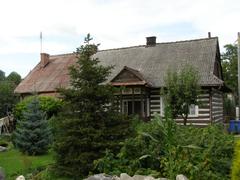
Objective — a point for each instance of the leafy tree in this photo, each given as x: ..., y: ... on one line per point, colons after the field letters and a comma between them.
x: 2, y: 75
x: 7, y: 97
x: 32, y: 135
x: 182, y: 89
x: 229, y: 67
x: 82, y: 130
x: 14, y: 77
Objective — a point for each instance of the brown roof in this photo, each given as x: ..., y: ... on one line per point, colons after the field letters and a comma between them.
x: 138, y: 78
x: 150, y: 63
x: 48, y: 78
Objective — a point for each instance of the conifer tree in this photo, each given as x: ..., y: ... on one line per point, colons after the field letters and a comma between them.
x: 32, y: 135
x: 88, y: 124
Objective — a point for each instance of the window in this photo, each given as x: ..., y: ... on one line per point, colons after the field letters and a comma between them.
x: 127, y: 91
x: 193, y: 110
x: 137, y: 90
x: 132, y: 107
x: 162, y: 106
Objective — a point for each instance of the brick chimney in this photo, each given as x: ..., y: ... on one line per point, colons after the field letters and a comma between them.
x: 209, y: 35
x: 44, y: 59
x: 151, y: 41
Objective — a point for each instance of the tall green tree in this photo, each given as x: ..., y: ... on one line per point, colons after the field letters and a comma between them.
x: 7, y: 97
x: 182, y: 90
x: 2, y: 75
x: 229, y: 67
x: 32, y: 135
x: 82, y: 131
x: 14, y: 77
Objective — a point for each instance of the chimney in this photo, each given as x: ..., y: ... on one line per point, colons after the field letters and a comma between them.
x: 151, y: 41
x: 209, y: 34
x: 44, y: 59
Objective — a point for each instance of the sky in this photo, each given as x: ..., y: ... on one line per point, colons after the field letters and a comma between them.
x: 112, y: 23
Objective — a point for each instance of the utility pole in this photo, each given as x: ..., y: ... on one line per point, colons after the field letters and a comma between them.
x: 238, y: 39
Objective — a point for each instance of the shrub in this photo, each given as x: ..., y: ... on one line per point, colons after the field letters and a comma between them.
x: 4, y: 143
x: 48, y: 105
x: 235, y: 173
x: 161, y: 148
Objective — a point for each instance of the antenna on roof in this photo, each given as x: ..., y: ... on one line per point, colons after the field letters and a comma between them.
x: 41, y: 42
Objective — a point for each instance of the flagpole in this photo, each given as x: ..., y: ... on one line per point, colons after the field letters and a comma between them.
x: 40, y: 42
x: 238, y: 39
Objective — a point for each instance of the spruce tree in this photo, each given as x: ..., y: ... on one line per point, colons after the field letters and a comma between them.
x: 32, y: 135
x: 88, y: 124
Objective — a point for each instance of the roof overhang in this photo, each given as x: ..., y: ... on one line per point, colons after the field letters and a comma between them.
x: 129, y: 77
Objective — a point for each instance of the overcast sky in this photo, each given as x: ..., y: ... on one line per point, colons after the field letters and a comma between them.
x: 112, y: 23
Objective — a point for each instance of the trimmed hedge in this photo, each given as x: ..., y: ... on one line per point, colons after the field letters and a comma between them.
x: 235, y: 174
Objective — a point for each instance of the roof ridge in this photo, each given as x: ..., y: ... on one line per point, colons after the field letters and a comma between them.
x: 64, y: 54
x: 171, y: 42
x: 129, y: 47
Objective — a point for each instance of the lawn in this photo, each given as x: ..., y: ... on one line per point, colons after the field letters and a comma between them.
x: 15, y: 163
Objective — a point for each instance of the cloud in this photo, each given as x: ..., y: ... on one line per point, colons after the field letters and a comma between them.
x: 113, y: 23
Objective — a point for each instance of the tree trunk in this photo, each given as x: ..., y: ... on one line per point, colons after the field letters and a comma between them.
x: 185, y: 119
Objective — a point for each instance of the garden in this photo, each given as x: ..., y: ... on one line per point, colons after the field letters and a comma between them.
x: 81, y: 135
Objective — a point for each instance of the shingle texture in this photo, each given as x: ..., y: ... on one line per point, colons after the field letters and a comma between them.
x: 47, y: 79
x: 152, y: 62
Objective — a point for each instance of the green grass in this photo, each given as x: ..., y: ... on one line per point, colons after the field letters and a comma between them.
x: 15, y: 163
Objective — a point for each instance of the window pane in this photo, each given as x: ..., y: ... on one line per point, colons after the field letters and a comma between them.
x: 192, y: 110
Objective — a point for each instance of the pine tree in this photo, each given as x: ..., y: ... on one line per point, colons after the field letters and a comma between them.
x: 86, y: 127
x: 32, y: 135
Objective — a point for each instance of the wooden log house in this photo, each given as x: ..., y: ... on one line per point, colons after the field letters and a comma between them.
x: 139, y: 73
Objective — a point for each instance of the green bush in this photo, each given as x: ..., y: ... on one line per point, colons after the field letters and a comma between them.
x: 235, y: 174
x: 5, y: 140
x: 48, y: 105
x: 163, y: 149
x: 4, y: 143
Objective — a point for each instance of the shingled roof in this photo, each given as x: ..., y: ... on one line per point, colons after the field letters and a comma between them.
x: 46, y: 79
x: 152, y: 62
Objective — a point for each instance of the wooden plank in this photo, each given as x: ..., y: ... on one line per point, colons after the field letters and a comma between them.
x: 155, y: 106
x: 196, y: 118
x: 154, y: 95
x: 195, y: 121
x: 152, y: 100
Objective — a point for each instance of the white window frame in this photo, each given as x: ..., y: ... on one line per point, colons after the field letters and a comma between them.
x: 161, y: 106
x: 195, y: 109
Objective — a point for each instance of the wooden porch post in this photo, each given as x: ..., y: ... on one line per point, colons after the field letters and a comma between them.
x: 121, y: 101
x: 142, y: 103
